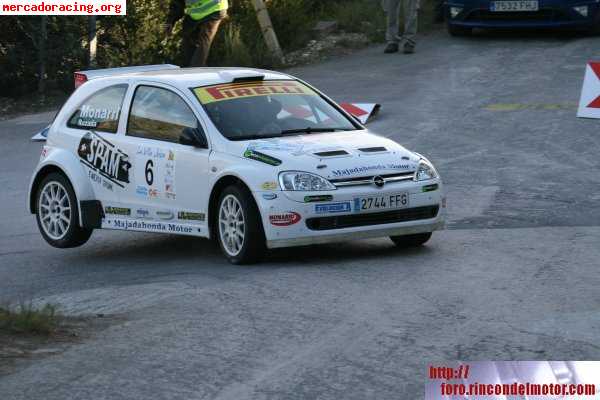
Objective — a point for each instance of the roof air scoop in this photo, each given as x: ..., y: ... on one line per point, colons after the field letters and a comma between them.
x: 331, y: 153
x: 372, y: 149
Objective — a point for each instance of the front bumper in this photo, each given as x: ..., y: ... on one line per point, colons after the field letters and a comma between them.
x: 371, y: 225
x: 551, y: 14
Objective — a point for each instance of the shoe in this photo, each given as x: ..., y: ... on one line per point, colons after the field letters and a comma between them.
x: 391, y: 48
x: 409, y: 48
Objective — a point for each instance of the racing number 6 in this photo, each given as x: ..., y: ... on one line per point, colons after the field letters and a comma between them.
x: 149, y: 173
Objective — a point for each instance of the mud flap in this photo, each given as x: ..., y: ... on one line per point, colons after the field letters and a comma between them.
x: 91, y: 214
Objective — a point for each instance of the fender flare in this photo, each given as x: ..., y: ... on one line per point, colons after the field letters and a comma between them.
x: 218, y: 183
x: 69, y: 165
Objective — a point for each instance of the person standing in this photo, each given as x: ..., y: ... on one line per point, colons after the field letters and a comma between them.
x: 200, y: 25
x: 392, y: 9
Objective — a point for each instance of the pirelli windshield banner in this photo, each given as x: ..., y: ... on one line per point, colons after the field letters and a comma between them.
x: 231, y: 91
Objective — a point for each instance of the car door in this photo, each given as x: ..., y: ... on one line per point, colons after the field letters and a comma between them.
x: 93, y: 129
x: 170, y: 191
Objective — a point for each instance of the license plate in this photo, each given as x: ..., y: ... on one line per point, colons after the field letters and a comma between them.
x: 508, y: 6
x: 381, y: 202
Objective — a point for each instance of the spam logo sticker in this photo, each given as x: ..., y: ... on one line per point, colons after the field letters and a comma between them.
x: 228, y: 91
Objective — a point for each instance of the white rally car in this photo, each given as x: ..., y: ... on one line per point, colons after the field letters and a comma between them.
x: 256, y: 159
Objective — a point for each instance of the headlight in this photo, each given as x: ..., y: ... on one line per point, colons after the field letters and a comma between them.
x: 303, y: 181
x: 583, y: 10
x: 454, y: 11
x: 425, y: 171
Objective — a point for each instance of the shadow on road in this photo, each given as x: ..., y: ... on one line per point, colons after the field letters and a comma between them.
x: 162, y: 250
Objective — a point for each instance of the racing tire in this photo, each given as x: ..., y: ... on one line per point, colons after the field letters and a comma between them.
x: 455, y: 30
x: 416, y: 240
x: 238, y: 226
x: 57, y: 213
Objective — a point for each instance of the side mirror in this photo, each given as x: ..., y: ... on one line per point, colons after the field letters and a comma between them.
x: 193, y: 137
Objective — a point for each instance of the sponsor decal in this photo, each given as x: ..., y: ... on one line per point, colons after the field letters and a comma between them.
x: 44, y: 153
x: 155, y: 167
x: 165, y: 214
x: 104, y: 158
x: 141, y: 191
x: 333, y: 207
x: 269, y: 196
x: 90, y: 116
x: 269, y: 186
x: 322, y: 197
x: 142, y: 213
x: 274, y: 145
x: 231, y: 91
x: 134, y: 225
x: 369, y: 168
x: 118, y: 210
x: 258, y: 156
x: 285, y: 219
x: 190, y: 216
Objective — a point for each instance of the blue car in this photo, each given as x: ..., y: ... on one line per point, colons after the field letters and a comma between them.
x: 464, y: 15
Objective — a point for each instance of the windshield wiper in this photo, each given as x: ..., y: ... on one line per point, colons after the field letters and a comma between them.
x: 253, y: 137
x: 310, y: 130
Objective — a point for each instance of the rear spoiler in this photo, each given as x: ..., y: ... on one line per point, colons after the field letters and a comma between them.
x: 83, y: 76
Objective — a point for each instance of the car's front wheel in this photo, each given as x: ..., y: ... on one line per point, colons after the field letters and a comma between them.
x: 411, y: 240
x: 57, y: 213
x: 239, y: 228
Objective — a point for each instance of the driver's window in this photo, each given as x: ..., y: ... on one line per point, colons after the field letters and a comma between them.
x: 159, y: 114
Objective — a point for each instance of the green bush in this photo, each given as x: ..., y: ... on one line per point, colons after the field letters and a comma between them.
x: 139, y: 38
x: 26, y: 319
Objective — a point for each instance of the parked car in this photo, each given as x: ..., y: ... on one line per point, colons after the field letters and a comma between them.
x: 464, y: 15
x: 255, y: 159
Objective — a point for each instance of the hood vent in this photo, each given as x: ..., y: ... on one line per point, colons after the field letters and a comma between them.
x: 333, y: 153
x: 372, y: 149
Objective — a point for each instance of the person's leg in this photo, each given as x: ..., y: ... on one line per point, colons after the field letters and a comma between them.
x: 411, y: 8
x: 392, y: 9
x: 188, y: 42
x: 206, y: 33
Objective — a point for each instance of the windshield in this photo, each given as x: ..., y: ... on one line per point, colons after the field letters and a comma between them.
x: 262, y: 109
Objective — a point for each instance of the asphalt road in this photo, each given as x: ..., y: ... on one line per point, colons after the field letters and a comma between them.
x: 515, y: 276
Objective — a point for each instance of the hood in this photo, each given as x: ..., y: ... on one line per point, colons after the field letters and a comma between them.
x: 335, y: 155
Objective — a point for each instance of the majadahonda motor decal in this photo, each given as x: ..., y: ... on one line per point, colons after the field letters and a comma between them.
x: 370, y: 168
x: 103, y: 157
x: 231, y: 91
x: 136, y: 225
x: 117, y: 210
x: 285, y: 219
x: 190, y: 216
x: 262, y: 157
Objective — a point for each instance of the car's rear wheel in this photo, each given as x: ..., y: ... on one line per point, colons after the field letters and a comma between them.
x: 57, y: 213
x: 416, y: 240
x: 456, y: 30
x: 239, y: 228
